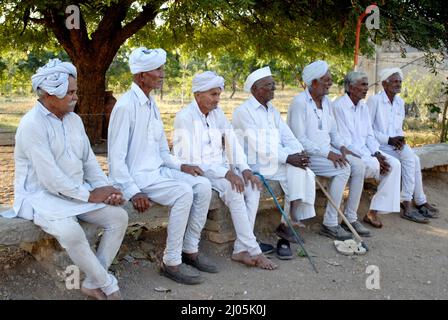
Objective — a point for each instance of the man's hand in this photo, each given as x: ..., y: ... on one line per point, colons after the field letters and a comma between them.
x: 141, y: 202
x: 254, y: 181
x: 337, y: 159
x: 346, y: 152
x: 102, y: 194
x: 193, y: 170
x: 384, y: 166
x: 236, y: 182
x: 115, y: 199
x: 397, y: 142
x: 301, y: 160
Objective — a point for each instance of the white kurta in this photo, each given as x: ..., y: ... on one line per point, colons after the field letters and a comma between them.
x: 387, y: 121
x: 267, y: 142
x: 316, y: 130
x: 200, y: 140
x: 55, y: 168
x: 140, y: 161
x: 355, y: 129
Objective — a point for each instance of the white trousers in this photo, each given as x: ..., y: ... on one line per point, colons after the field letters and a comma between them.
x: 297, y: 184
x: 411, y: 174
x: 339, y: 177
x: 243, y: 209
x: 189, y: 198
x: 387, y: 197
x: 71, y: 236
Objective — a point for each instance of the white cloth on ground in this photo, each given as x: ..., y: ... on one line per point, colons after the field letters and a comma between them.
x: 53, y: 77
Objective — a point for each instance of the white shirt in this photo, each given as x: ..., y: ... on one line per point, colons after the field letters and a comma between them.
x: 137, y: 143
x: 199, y: 140
x: 387, y: 118
x: 315, y: 128
x: 55, y: 168
x: 354, y: 126
x: 263, y: 133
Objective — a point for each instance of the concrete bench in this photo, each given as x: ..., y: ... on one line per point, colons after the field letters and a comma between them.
x: 219, y: 227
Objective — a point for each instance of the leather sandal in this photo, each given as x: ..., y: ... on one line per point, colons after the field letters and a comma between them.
x: 373, y: 222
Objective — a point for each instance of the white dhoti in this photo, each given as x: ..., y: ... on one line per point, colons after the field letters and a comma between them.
x: 298, y: 184
x: 243, y: 209
x: 189, y: 199
x: 71, y: 236
x: 411, y: 174
x: 339, y: 176
x: 387, y: 197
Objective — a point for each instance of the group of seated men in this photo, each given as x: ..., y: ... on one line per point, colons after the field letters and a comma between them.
x: 59, y: 182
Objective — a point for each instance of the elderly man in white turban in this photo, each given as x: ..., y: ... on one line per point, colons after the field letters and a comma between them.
x: 387, y: 114
x: 58, y: 181
x: 273, y: 151
x: 141, y: 165
x: 354, y: 126
x: 199, y: 131
x: 311, y: 120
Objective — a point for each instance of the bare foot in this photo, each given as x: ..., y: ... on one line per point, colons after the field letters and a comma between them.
x: 115, y: 296
x: 244, y: 258
x: 96, y: 294
x: 261, y: 261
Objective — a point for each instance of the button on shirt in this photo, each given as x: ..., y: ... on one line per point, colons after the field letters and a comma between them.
x: 315, y: 128
x: 354, y: 126
x: 263, y: 133
x: 137, y: 143
x: 387, y: 118
x: 55, y: 168
x: 198, y: 140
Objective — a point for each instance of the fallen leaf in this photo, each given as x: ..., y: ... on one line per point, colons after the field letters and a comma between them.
x: 162, y: 289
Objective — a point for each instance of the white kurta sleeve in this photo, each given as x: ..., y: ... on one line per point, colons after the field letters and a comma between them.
x: 371, y: 141
x: 288, y: 142
x: 118, y: 141
x: 234, y: 151
x: 336, y: 139
x: 373, y: 104
x: 37, y: 147
x: 297, y: 121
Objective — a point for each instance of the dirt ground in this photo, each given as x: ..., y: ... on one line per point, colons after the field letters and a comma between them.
x: 412, y: 261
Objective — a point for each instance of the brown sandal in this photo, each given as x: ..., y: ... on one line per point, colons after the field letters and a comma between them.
x: 373, y: 222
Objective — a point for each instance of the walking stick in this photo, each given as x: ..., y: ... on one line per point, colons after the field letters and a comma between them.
x: 296, y: 236
x: 349, y: 225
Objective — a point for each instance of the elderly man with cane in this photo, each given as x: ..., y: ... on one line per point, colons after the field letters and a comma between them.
x: 311, y: 120
x: 274, y: 152
x: 387, y: 114
x: 59, y: 182
x: 199, y: 130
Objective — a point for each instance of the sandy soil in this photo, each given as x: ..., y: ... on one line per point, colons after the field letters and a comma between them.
x: 412, y: 260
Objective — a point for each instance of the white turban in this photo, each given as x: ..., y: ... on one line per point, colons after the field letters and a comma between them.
x: 315, y: 70
x: 206, y: 81
x: 256, y: 75
x: 143, y: 59
x: 53, y: 77
x: 386, y: 73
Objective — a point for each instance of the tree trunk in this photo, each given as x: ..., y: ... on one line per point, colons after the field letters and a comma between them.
x: 233, y: 88
x: 91, y: 93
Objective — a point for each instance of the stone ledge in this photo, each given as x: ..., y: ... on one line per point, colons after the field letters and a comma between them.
x: 432, y: 155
